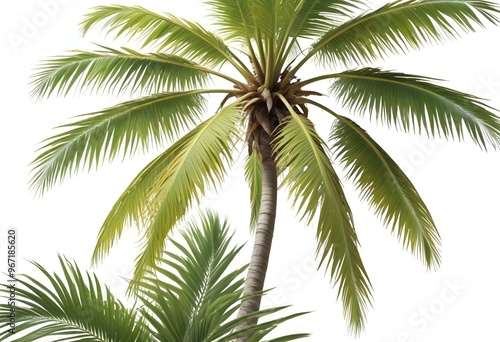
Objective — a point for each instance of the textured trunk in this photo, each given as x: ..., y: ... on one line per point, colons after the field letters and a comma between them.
x: 263, y: 235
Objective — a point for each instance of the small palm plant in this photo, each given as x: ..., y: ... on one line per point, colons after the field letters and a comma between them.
x: 191, y: 295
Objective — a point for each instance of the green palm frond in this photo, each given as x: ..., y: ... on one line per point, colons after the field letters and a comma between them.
x: 163, y: 32
x: 233, y: 19
x: 116, y: 71
x: 199, y: 295
x: 235, y: 22
x: 269, y: 24
x: 73, y: 307
x: 307, y: 19
x: 163, y: 191
x: 190, y: 295
x: 253, y: 176
x: 270, y: 16
x: 260, y: 330
x: 411, y: 102
x: 117, y: 130
x: 387, y: 189
x: 263, y: 22
x: 246, y: 20
x: 316, y: 17
x: 313, y: 185
x: 399, y: 26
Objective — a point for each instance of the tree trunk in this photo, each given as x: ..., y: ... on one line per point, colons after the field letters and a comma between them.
x: 256, y: 275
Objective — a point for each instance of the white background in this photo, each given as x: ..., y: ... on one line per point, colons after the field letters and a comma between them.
x: 458, y: 181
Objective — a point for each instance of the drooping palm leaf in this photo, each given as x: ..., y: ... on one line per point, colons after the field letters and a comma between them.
x: 386, y: 188
x: 313, y: 186
x: 121, y: 129
x: 411, y: 102
x: 73, y: 307
x: 162, y: 193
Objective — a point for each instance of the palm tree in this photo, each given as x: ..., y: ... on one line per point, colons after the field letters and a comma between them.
x: 259, y: 49
x: 190, y: 295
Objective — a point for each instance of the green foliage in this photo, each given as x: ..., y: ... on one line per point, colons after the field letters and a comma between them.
x: 121, y: 129
x: 316, y: 17
x: 74, y: 307
x: 409, y: 101
x: 385, y: 186
x: 117, y: 71
x: 265, y: 44
x: 190, y: 295
x: 314, y: 185
x: 400, y: 26
x: 163, y: 191
x: 159, y: 31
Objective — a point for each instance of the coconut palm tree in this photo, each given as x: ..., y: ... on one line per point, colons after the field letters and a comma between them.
x: 192, y: 294
x: 254, y: 57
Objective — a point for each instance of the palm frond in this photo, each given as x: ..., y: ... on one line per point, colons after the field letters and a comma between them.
x: 270, y: 16
x: 399, y: 26
x: 164, y: 32
x: 191, y: 296
x: 72, y: 307
x: 253, y: 176
x: 117, y: 72
x: 387, y: 189
x: 313, y: 185
x: 300, y: 18
x: 263, y: 22
x: 266, y: 17
x: 260, y: 330
x: 233, y: 19
x: 316, y: 17
x: 117, y: 130
x: 241, y: 19
x: 308, y: 19
x: 412, y: 102
x: 235, y: 22
x: 164, y: 190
